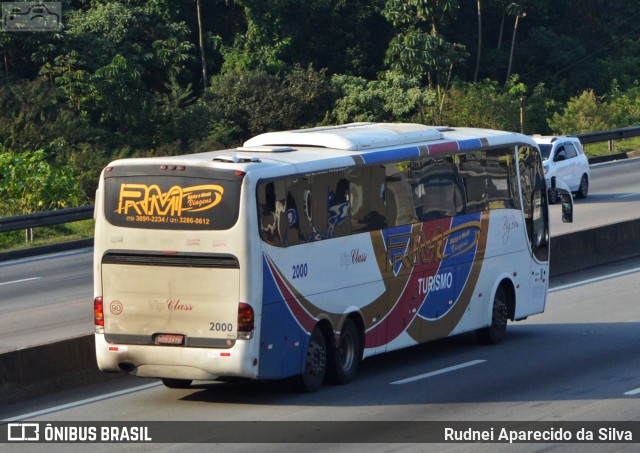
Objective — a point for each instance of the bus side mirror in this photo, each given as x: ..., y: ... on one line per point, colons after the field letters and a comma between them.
x: 566, y: 199
x: 567, y: 207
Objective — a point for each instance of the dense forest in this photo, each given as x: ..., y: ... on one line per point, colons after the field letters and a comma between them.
x: 131, y: 77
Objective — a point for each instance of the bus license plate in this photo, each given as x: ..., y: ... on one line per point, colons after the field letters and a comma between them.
x: 170, y: 339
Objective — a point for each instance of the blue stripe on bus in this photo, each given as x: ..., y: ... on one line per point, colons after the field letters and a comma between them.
x: 375, y: 157
x: 470, y: 144
x: 282, y: 339
x: 459, y: 252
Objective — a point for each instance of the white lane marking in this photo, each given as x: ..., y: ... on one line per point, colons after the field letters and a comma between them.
x: 437, y: 372
x: 20, y: 281
x: 632, y: 392
x: 632, y: 194
x: 47, y: 257
x: 81, y: 402
x: 594, y: 280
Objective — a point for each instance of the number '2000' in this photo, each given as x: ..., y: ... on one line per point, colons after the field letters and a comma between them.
x: 299, y: 270
x: 221, y: 326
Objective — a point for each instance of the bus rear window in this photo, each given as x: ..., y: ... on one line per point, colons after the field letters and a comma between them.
x: 171, y: 201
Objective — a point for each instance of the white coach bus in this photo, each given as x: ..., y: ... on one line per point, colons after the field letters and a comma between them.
x: 303, y: 252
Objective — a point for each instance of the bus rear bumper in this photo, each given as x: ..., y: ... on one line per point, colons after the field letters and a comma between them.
x: 177, y: 362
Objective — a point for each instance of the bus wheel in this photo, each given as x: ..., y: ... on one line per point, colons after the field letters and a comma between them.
x: 494, y: 333
x: 315, y: 365
x: 344, y: 360
x: 176, y: 383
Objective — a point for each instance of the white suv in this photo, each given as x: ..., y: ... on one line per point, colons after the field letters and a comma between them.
x: 564, y: 158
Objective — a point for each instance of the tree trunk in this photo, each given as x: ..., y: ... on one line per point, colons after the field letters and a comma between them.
x: 6, y: 64
x: 522, y: 114
x: 501, y: 29
x: 475, y: 74
x: 201, y: 42
x: 513, y: 44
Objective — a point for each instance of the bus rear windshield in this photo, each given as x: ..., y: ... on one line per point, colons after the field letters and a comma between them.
x: 186, y: 200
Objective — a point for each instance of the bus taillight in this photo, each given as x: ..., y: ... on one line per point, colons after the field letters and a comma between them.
x: 98, y: 314
x: 245, y: 321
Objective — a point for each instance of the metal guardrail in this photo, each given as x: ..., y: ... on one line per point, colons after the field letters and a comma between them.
x: 609, y: 136
x: 40, y: 219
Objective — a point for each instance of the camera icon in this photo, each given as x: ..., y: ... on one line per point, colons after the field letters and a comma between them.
x: 23, y: 432
x: 31, y: 16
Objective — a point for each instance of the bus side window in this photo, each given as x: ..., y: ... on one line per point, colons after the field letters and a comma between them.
x: 473, y: 170
x: 500, y: 183
x: 401, y: 209
x: 330, y: 207
x: 512, y: 170
x: 439, y: 192
x: 367, y: 197
x: 292, y: 235
x: 339, y: 209
x: 299, y: 215
x: 271, y: 212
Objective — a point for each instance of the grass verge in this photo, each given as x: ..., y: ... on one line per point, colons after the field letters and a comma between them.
x: 17, y: 240
x: 628, y: 145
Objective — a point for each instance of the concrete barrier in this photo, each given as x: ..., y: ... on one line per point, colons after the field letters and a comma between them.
x: 31, y: 372
x: 40, y: 370
x: 580, y: 250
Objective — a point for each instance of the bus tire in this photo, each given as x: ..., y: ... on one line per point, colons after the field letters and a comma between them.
x: 495, y: 332
x: 345, y: 358
x: 176, y: 383
x: 315, y: 365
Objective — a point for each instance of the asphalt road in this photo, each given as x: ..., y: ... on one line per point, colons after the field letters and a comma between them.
x: 614, y: 196
x: 46, y: 298
x: 576, y: 362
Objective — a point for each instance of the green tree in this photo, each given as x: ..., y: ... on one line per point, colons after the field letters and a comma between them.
x: 343, y: 36
x: 518, y: 90
x: 33, y: 115
x: 244, y: 103
x: 116, y: 56
x: 30, y: 183
x: 418, y: 49
x: 538, y: 107
x: 268, y: 36
x: 184, y: 117
x: 584, y: 113
x: 515, y: 9
x: 625, y: 105
x: 483, y: 104
x: 393, y: 98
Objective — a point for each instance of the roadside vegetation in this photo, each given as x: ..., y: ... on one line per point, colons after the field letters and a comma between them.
x: 164, y: 77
